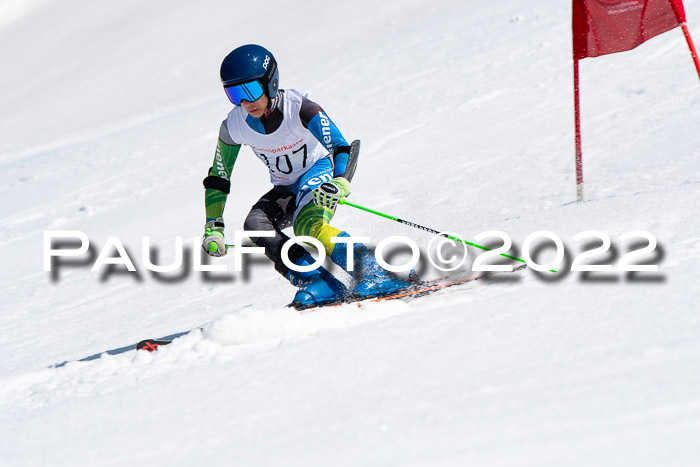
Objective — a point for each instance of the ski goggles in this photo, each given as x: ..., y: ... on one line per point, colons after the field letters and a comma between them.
x: 250, y: 91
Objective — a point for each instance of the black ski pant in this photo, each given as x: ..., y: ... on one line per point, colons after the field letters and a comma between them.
x: 275, y: 211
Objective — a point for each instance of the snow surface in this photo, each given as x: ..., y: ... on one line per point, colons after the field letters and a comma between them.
x: 110, y: 112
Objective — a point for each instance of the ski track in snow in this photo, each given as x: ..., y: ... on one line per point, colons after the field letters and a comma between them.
x: 227, y: 337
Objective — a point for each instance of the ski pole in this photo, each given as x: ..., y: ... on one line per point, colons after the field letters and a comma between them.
x: 213, y: 247
x: 426, y: 229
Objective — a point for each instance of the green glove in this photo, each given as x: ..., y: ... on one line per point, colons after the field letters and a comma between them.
x: 329, y: 193
x: 213, y: 242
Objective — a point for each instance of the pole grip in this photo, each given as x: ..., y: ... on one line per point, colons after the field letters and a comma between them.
x: 353, y: 155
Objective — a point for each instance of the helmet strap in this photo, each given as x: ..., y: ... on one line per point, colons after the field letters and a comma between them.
x: 272, y: 105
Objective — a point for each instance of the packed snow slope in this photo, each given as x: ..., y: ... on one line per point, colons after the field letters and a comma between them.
x: 109, y: 117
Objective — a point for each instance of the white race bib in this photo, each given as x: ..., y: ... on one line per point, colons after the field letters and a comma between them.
x: 289, y: 151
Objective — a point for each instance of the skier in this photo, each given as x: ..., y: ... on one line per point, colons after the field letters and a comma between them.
x: 307, y: 157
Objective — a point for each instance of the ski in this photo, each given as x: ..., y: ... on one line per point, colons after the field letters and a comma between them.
x: 420, y: 289
x: 439, y: 284
x: 151, y: 345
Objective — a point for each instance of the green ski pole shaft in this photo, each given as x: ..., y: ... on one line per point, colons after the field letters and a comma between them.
x: 426, y: 229
x: 213, y: 247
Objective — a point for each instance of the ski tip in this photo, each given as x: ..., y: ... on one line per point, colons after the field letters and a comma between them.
x: 151, y: 345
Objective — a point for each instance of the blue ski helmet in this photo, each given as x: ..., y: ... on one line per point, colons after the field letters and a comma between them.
x: 251, y: 62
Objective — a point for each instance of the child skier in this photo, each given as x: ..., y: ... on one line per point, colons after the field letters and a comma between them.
x: 307, y: 157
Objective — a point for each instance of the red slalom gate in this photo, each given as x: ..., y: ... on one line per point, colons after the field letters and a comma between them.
x: 601, y: 27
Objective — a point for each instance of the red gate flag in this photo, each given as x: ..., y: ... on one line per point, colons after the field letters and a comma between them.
x: 607, y: 26
x: 603, y: 27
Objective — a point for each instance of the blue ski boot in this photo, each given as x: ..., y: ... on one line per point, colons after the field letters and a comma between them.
x: 371, y: 279
x: 316, y: 287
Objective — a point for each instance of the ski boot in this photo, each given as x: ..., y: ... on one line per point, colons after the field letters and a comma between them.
x: 371, y: 279
x: 317, y: 287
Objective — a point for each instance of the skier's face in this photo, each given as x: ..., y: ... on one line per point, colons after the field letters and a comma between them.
x: 256, y: 109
